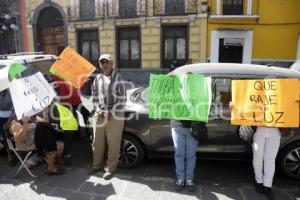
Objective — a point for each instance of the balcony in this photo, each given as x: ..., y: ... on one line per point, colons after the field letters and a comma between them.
x: 175, y: 7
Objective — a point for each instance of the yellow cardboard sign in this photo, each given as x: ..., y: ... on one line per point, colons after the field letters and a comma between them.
x: 72, y: 67
x: 269, y: 102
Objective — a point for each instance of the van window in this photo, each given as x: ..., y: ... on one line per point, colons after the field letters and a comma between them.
x: 221, y: 97
x: 221, y: 91
x: 42, y: 66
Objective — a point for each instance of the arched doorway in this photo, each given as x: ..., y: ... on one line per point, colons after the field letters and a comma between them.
x: 49, y: 30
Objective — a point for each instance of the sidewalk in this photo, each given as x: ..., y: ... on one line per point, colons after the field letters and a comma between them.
x: 148, y: 182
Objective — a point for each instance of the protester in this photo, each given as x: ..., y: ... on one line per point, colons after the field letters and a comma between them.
x: 185, y: 145
x: 6, y: 111
x: 69, y: 95
x: 185, y: 154
x: 266, y: 142
x: 109, y: 98
x: 265, y: 146
x: 37, y: 134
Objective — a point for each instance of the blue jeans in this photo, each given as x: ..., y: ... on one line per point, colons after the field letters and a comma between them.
x: 185, y: 153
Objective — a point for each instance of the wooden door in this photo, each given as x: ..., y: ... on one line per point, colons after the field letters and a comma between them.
x: 52, y: 39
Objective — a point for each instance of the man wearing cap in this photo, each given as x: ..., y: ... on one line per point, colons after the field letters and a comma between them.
x: 109, y: 98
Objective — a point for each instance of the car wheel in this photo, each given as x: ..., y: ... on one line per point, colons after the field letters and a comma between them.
x: 289, y: 161
x: 132, y: 152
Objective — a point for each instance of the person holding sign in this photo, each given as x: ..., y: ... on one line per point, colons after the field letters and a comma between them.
x: 185, y: 145
x: 6, y: 111
x: 69, y: 96
x: 109, y: 98
x: 266, y: 142
x: 266, y: 104
x: 265, y: 146
x: 31, y: 134
x: 185, y: 154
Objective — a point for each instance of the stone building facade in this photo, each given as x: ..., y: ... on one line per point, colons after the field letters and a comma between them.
x: 140, y: 31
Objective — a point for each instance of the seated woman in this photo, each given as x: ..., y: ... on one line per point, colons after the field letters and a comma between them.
x: 30, y: 133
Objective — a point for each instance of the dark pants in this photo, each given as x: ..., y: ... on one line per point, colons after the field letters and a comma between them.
x: 82, y: 110
x: 10, y: 157
x: 85, y: 114
x: 45, y: 138
x: 2, y: 123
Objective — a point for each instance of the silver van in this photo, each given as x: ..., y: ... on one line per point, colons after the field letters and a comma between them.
x: 145, y: 137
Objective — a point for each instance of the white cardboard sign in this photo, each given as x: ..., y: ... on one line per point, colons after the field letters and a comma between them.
x: 30, y: 95
x: 4, y: 82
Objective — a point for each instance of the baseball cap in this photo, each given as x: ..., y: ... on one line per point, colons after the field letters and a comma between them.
x: 105, y: 56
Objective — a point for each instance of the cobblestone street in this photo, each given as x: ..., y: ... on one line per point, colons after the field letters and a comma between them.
x: 153, y: 180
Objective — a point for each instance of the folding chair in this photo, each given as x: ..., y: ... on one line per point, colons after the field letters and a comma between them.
x: 12, y: 147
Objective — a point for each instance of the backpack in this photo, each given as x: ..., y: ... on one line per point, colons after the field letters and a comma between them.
x: 247, y: 132
x: 198, y: 130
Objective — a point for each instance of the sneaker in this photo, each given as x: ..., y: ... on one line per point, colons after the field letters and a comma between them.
x: 179, y: 185
x: 108, y: 175
x: 190, y: 186
x: 268, y: 193
x: 259, y: 188
x: 92, y: 171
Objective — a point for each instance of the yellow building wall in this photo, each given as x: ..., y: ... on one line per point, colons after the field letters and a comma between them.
x: 275, y: 31
x: 107, y: 40
x: 269, y: 42
x: 150, y: 44
x: 279, y: 11
x: 197, y: 42
x: 275, y: 42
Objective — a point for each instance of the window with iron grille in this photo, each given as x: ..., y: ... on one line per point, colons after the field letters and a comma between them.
x: 174, y: 45
x: 127, y: 8
x: 232, y: 7
x: 174, y: 7
x: 87, y: 9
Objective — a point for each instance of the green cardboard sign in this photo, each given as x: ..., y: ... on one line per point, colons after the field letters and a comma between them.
x: 15, y: 70
x: 184, y: 97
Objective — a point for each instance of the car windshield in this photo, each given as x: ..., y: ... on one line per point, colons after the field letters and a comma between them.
x: 42, y: 66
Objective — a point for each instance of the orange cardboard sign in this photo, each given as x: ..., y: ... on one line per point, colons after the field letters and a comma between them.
x: 269, y: 102
x: 72, y: 67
